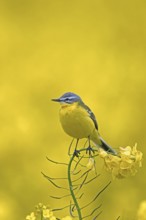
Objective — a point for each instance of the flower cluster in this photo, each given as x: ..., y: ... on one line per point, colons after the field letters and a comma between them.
x: 43, y: 212
x: 141, y: 214
x: 125, y: 164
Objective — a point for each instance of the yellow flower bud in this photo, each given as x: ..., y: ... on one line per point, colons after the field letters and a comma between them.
x: 31, y: 216
x: 91, y: 163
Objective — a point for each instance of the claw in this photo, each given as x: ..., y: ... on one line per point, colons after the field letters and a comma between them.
x: 76, y: 153
x: 90, y: 150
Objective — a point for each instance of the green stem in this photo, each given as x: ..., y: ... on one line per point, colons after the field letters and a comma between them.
x: 71, y: 188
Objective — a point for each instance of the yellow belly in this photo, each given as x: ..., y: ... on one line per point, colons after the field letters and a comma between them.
x: 76, y: 121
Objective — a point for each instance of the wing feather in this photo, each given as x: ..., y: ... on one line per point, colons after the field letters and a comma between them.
x: 91, y: 115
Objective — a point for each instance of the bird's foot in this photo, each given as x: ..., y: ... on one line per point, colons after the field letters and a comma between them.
x: 90, y: 151
x: 76, y: 153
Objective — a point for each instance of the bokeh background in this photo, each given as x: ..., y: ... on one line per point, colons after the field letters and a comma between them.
x: 96, y: 49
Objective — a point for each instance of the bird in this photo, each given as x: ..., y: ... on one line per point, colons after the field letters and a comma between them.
x: 78, y: 121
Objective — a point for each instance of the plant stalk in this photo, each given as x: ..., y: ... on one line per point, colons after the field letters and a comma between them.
x: 71, y: 188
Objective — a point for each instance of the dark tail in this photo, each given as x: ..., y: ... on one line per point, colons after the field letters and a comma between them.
x: 107, y: 148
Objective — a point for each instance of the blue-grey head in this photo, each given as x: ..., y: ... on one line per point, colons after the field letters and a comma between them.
x: 68, y: 98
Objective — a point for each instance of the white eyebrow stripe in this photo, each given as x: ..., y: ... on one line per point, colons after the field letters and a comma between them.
x: 71, y: 97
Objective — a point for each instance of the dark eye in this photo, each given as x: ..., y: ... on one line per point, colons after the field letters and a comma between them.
x: 67, y: 100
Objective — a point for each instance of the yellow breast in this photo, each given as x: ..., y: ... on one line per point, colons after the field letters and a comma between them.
x: 76, y: 121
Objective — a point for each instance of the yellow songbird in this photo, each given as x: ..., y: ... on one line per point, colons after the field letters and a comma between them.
x: 78, y: 120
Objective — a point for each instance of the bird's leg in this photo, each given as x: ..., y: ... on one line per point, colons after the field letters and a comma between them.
x: 89, y: 148
x: 76, y: 152
x: 69, y: 150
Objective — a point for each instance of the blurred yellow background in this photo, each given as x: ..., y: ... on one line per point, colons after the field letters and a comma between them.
x: 96, y: 49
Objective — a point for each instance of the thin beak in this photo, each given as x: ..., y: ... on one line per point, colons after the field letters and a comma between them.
x: 55, y: 100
